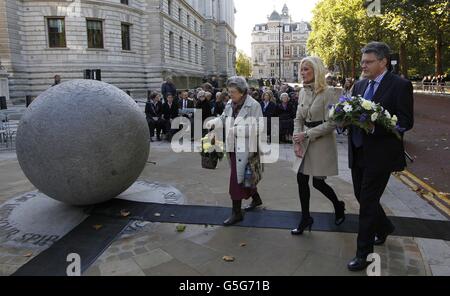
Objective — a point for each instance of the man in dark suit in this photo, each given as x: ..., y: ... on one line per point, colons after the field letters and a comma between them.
x: 185, y: 102
x: 168, y: 87
x: 170, y: 112
x: 154, y: 112
x: 375, y: 155
x: 186, y: 108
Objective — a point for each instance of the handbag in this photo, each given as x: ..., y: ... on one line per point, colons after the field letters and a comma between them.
x: 254, y: 162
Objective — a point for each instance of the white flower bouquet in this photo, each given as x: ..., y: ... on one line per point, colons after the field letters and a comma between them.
x: 364, y: 114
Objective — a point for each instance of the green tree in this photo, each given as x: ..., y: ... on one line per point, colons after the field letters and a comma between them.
x: 419, y: 30
x: 243, y: 64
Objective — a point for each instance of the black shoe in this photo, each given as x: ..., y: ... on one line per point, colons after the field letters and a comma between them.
x: 234, y: 218
x: 236, y: 214
x: 340, y: 213
x: 381, y: 238
x: 304, y: 224
x: 158, y: 138
x: 357, y: 264
x: 256, y: 201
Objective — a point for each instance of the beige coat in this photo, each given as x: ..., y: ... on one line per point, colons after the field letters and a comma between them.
x: 240, y: 131
x: 320, y: 151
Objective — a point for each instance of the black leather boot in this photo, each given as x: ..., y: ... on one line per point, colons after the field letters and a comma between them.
x: 256, y: 201
x: 236, y: 214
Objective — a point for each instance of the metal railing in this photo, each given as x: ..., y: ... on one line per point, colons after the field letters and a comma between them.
x: 432, y: 87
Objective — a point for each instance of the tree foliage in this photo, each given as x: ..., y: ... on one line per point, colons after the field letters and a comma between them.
x: 418, y: 30
x: 243, y: 64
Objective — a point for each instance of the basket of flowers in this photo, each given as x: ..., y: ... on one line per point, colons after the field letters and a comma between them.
x: 211, y: 153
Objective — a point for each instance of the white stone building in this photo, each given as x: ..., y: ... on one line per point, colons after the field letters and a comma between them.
x: 280, y: 32
x: 133, y: 44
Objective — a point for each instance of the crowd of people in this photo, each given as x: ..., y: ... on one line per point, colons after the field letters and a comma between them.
x: 161, y: 108
x: 435, y: 83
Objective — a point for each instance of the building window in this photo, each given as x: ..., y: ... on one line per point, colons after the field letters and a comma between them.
x: 169, y: 7
x: 93, y: 74
x: 124, y: 2
x: 195, y: 25
x: 287, y: 51
x: 95, y: 33
x: 272, y: 51
x: 171, y: 45
x: 196, y: 54
x: 201, y: 29
x: 180, y: 11
x: 56, y: 32
x: 126, y: 44
x: 272, y: 73
x: 188, y: 21
x: 181, y: 48
x: 189, y: 51
x: 261, y: 72
x: 202, y: 55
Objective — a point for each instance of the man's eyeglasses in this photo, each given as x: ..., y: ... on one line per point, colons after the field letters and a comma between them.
x: 362, y: 63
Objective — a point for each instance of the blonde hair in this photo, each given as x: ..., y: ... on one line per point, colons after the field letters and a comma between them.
x: 316, y: 63
x: 270, y: 94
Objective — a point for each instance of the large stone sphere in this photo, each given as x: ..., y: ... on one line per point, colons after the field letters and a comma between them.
x: 83, y: 142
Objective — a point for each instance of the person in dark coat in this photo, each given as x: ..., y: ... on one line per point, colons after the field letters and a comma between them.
x: 154, y: 113
x: 374, y: 155
x: 220, y: 105
x: 170, y: 112
x: 168, y: 87
x: 286, y: 114
x: 268, y: 107
x: 203, y: 103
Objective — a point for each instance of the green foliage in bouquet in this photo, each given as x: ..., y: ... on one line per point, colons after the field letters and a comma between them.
x: 364, y: 114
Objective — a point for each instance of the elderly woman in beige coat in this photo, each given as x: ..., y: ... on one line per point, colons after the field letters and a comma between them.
x: 240, y: 118
x: 315, y: 141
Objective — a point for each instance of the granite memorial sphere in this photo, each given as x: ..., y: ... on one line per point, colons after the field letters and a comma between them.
x: 83, y: 142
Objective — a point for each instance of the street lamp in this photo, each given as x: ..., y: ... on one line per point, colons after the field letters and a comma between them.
x: 279, y: 50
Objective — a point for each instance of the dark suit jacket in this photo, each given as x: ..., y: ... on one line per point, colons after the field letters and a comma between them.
x: 190, y: 104
x: 170, y: 112
x: 270, y: 110
x: 152, y: 110
x: 382, y: 150
x: 167, y: 88
x: 205, y: 105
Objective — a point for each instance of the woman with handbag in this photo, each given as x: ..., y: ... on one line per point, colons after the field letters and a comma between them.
x: 244, y: 113
x: 315, y: 141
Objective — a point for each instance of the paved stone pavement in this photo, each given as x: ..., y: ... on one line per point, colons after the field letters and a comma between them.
x: 158, y: 249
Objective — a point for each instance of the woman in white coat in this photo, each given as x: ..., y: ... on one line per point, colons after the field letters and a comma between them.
x: 244, y: 113
x: 315, y: 141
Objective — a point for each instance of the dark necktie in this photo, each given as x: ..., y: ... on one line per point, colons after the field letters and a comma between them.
x: 357, y: 133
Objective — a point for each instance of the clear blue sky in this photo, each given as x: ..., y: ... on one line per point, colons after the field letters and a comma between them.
x: 251, y: 12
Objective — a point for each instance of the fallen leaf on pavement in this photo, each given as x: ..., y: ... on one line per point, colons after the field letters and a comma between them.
x: 124, y: 213
x: 428, y: 195
x: 157, y: 215
x: 446, y: 148
x: 172, y: 215
x: 29, y: 254
x: 242, y: 244
x: 181, y: 228
x: 228, y: 258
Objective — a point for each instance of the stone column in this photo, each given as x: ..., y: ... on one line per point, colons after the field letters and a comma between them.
x: 4, y: 87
